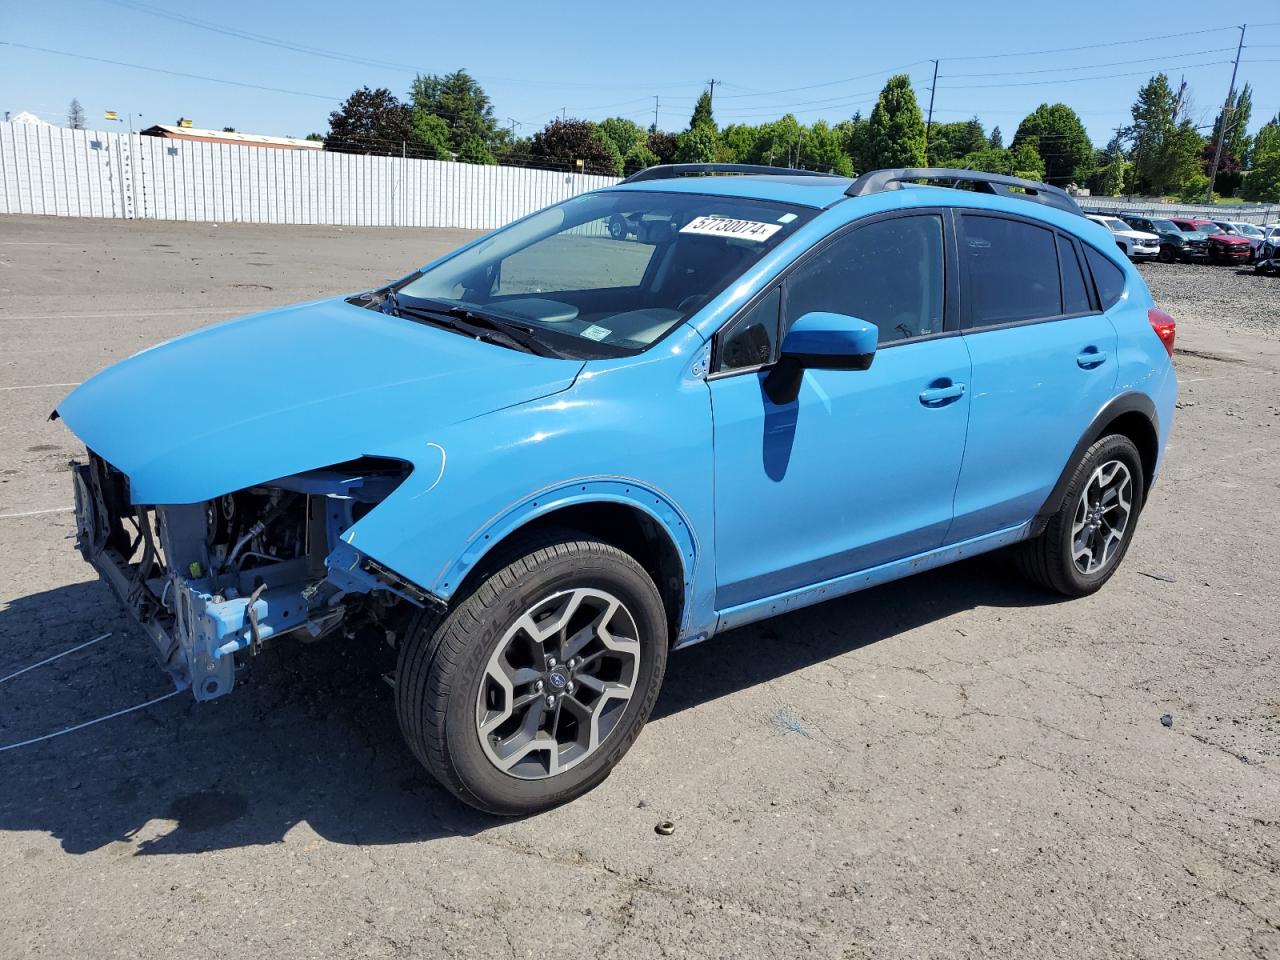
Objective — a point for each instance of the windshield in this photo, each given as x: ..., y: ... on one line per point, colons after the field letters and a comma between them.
x: 1248, y: 229
x: 1167, y: 225
x: 607, y: 274
x: 1113, y: 224
x: 1210, y: 228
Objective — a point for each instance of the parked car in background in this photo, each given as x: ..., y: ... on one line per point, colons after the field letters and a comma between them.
x: 1175, y: 243
x: 1267, y: 257
x: 539, y: 464
x: 1249, y: 231
x: 1223, y: 247
x: 1136, y: 244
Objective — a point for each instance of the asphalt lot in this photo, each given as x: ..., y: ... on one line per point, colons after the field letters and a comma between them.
x: 950, y: 766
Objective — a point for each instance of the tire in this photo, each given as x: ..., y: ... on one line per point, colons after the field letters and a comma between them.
x: 1049, y: 559
x: 617, y: 228
x: 449, y: 666
x: 1167, y: 255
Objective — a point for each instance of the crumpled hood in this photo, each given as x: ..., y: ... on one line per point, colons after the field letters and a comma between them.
x: 292, y: 389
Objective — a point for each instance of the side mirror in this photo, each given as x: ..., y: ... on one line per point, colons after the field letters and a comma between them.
x: 821, y: 341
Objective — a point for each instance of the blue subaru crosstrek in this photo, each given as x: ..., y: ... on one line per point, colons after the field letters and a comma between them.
x: 619, y: 426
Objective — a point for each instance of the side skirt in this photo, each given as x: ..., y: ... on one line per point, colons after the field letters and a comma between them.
x: 851, y: 583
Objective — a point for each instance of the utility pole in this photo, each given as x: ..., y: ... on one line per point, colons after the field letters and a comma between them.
x: 928, y: 126
x: 514, y: 123
x: 655, y: 114
x: 712, y: 95
x: 563, y: 112
x: 1177, y: 104
x: 1222, y: 121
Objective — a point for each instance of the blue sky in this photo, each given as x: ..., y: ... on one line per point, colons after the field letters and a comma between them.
x: 817, y: 60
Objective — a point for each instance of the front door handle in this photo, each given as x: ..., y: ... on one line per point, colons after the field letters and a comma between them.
x: 941, y: 392
x: 1091, y: 357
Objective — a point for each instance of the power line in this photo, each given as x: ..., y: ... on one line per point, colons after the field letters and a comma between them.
x: 171, y: 73
x: 1091, y: 46
x: 1108, y: 76
x: 1090, y: 66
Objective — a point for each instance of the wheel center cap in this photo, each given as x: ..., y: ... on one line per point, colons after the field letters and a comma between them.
x: 557, y: 679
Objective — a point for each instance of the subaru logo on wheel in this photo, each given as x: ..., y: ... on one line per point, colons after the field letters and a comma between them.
x: 557, y: 680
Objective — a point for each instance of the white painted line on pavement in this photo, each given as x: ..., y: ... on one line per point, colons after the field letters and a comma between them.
x: 36, y: 513
x: 40, y: 386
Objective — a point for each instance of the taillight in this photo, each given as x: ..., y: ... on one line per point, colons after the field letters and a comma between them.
x: 1165, y: 326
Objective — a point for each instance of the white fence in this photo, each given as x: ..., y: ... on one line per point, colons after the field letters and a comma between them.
x: 1243, y: 213
x: 81, y: 173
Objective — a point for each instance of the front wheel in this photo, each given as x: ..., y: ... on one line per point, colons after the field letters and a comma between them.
x: 1168, y: 255
x: 1087, y: 537
x: 529, y: 691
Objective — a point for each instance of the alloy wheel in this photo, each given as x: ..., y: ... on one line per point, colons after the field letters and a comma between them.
x: 558, y: 683
x: 1102, y: 517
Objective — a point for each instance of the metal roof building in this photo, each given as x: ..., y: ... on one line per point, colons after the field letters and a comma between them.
x: 173, y: 132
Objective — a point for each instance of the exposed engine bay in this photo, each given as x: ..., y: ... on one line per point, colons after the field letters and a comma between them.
x: 210, y: 581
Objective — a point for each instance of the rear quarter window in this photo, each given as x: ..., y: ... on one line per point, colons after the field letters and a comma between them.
x: 1107, y: 277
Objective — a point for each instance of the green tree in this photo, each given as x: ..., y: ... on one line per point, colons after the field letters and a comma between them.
x: 996, y: 139
x: 466, y: 110
x: 1020, y: 161
x: 622, y: 133
x: 431, y: 136
x: 370, y: 121
x: 821, y: 149
x: 699, y: 144
x: 1110, y: 168
x: 1060, y: 140
x: 637, y: 158
x: 779, y: 142
x: 855, y: 134
x: 950, y: 141
x: 702, y: 112
x: 738, y: 143
x: 1263, y: 180
x: 897, y: 127
x: 1239, y: 113
x: 1165, y: 151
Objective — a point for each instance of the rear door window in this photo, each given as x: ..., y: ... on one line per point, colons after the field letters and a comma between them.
x: 1012, y: 271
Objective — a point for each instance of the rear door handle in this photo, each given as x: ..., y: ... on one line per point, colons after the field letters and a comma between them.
x: 941, y: 392
x: 1091, y: 357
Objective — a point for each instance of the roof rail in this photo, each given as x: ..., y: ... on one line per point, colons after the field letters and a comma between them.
x: 667, y: 171
x: 996, y: 183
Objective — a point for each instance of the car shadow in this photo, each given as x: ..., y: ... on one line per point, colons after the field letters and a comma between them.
x: 309, y: 735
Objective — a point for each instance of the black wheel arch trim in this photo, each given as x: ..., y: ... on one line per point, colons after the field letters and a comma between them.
x: 1117, y: 407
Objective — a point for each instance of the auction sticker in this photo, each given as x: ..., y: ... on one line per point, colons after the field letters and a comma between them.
x: 727, y: 227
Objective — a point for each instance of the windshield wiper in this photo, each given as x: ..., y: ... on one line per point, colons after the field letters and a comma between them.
x: 481, y: 326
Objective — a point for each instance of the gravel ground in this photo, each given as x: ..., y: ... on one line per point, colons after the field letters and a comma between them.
x: 1226, y: 296
x: 950, y: 766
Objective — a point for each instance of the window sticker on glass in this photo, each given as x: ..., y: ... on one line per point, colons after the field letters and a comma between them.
x: 594, y: 332
x: 726, y: 227
x: 786, y: 218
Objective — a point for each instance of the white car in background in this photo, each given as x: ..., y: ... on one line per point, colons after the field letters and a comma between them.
x: 1136, y: 244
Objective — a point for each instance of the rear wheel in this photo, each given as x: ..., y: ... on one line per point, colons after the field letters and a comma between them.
x: 529, y: 691
x: 1089, y: 534
x: 1167, y: 254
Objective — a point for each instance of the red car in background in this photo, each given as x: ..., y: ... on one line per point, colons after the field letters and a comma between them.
x: 1223, y: 247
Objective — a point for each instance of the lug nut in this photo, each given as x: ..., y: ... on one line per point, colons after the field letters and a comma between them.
x: 551, y: 701
x: 537, y: 686
x: 551, y: 661
x: 572, y: 663
x: 569, y: 687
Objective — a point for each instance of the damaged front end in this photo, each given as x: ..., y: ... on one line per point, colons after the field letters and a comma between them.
x: 208, y: 581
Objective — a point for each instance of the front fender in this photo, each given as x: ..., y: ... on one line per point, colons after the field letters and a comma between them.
x: 635, y: 432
